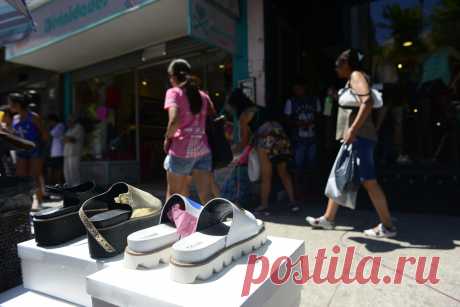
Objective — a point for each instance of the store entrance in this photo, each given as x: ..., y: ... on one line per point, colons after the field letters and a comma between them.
x: 152, y: 84
x: 212, y: 69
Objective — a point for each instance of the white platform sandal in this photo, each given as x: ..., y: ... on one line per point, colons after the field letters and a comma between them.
x: 217, y: 242
x: 149, y: 247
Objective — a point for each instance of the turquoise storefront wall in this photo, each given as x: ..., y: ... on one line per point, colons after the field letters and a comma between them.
x: 240, y: 57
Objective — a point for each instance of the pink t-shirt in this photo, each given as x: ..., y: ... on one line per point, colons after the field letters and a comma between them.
x: 190, y: 140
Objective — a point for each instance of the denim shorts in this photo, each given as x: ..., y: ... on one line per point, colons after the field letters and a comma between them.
x: 365, y: 153
x: 38, y: 152
x: 185, y: 166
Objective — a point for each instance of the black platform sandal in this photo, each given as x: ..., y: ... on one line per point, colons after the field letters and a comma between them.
x: 123, y: 209
x: 56, y: 226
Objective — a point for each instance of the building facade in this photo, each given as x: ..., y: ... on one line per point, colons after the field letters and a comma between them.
x: 112, y: 58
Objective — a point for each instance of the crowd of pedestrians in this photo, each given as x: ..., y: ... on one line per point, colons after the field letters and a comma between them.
x: 282, y: 145
x: 277, y: 142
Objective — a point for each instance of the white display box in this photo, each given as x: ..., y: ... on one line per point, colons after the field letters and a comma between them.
x: 20, y: 297
x: 60, y: 271
x: 117, y: 286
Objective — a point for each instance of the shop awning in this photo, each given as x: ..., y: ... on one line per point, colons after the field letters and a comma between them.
x: 73, y: 34
x: 15, y: 21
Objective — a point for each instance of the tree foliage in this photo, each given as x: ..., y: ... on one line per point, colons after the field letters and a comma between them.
x: 405, y: 25
x: 446, y: 24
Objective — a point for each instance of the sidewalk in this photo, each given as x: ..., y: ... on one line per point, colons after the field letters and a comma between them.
x: 419, y: 235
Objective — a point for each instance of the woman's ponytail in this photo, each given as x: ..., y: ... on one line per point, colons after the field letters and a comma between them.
x: 181, y: 70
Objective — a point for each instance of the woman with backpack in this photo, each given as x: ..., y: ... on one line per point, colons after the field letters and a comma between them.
x: 355, y: 126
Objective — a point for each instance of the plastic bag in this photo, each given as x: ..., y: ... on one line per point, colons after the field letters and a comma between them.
x: 346, y: 176
x: 346, y: 198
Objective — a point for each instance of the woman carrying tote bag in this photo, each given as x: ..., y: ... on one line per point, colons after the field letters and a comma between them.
x: 355, y: 126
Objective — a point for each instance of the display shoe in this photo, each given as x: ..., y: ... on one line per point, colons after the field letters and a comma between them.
x: 55, y: 226
x: 149, y: 247
x: 122, y: 210
x: 224, y: 233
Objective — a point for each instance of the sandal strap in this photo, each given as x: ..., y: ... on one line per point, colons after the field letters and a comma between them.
x: 92, y: 230
x: 243, y: 221
x: 133, y: 197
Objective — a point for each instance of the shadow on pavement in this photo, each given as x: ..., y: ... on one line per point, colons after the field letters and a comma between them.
x: 421, y: 231
x: 411, y: 237
x: 346, y: 219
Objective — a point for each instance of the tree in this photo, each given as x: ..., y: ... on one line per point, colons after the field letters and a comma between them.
x: 406, y: 25
x: 446, y: 24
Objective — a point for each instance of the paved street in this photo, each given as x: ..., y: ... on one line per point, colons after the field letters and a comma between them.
x: 419, y: 235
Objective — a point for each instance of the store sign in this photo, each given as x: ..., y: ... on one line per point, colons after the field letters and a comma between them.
x: 57, y: 20
x: 210, y: 24
x: 74, y: 13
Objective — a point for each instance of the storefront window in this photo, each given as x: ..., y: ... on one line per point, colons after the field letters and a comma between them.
x: 417, y: 59
x: 389, y: 15
x: 106, y: 106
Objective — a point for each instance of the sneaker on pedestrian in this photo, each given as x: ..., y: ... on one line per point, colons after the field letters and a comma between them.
x: 381, y: 232
x: 403, y: 160
x: 261, y: 212
x: 320, y: 222
x: 294, y: 207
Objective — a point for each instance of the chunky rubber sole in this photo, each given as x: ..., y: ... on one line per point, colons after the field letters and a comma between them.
x: 134, y: 261
x: 58, y: 230
x: 188, y: 273
x: 117, y: 235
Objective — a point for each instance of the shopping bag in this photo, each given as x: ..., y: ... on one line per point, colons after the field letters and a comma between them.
x: 250, y: 158
x: 346, y: 176
x: 346, y: 198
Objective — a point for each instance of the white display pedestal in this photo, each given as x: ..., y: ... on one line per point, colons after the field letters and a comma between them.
x: 117, y: 286
x: 60, y: 271
x: 20, y: 297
